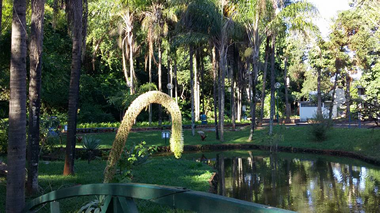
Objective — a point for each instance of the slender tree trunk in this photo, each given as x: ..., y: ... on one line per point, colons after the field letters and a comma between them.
x: 196, y: 87
x: 124, y: 59
x: 131, y: 68
x: 287, y: 105
x: 84, y: 27
x: 255, y: 66
x: 192, y: 90
x: 272, y: 81
x: 333, y: 94
x: 159, y: 81
x: 222, y: 69
x: 202, y: 85
x: 264, y: 80
x: 15, y: 196
x: 150, y: 76
x: 251, y: 102
x: 239, y: 93
x: 76, y: 6
x: 319, y: 94
x: 175, y: 82
x: 348, y: 95
x: 232, y: 98
x: 35, y: 55
x: 55, y: 13
x: 215, y: 91
x: 94, y: 54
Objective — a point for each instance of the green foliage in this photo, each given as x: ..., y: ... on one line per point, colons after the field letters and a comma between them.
x: 131, y: 158
x: 3, y: 135
x: 320, y: 125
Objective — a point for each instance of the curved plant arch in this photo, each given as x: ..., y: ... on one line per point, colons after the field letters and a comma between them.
x: 141, y: 102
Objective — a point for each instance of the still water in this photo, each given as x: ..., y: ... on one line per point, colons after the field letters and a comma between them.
x: 303, y: 183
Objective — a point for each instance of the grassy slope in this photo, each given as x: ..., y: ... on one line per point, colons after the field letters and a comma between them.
x: 362, y: 141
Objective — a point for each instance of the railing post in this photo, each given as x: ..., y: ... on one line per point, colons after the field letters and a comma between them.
x: 54, y: 207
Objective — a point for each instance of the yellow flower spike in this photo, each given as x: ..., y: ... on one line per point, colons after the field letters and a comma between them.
x: 176, y: 140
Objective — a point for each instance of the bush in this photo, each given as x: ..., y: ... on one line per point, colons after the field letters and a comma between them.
x: 319, y: 127
x: 3, y: 135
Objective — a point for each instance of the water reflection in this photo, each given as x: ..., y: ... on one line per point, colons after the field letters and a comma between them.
x: 300, y: 185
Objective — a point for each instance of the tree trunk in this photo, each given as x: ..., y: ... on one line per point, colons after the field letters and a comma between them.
x: 159, y: 81
x: 232, y: 98
x: 192, y: 90
x: 264, y: 80
x: 272, y: 81
x: 287, y: 105
x: 239, y: 93
x: 84, y: 27
x: 222, y: 69
x: 175, y: 82
x: 255, y: 66
x: 131, y: 68
x: 15, y: 196
x: 251, y: 102
x: 333, y: 94
x: 196, y: 88
x: 55, y: 13
x: 124, y: 59
x: 348, y: 96
x: 76, y: 6
x: 202, y: 84
x: 319, y: 95
x: 35, y: 55
x: 215, y: 93
x: 150, y: 76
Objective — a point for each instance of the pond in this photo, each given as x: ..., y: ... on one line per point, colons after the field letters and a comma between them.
x: 299, y: 182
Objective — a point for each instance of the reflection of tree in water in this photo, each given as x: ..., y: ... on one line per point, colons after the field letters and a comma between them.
x: 301, y: 185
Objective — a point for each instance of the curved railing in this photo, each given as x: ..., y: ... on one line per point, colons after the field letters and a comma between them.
x: 120, y: 198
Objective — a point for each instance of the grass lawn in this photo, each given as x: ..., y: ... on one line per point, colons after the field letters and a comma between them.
x: 163, y: 171
x: 359, y: 140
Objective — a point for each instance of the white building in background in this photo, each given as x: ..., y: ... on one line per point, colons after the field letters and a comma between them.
x: 308, y: 109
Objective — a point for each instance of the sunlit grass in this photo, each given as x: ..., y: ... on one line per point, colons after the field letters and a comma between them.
x: 359, y: 140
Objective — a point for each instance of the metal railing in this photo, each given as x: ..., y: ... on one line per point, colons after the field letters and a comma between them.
x: 120, y: 198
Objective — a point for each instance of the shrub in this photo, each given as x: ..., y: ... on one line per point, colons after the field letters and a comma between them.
x: 91, y: 143
x: 3, y: 135
x: 136, y: 155
x: 319, y: 126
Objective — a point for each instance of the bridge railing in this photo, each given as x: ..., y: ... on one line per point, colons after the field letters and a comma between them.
x: 120, y: 198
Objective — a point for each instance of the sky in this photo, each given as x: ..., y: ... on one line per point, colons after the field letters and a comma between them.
x: 328, y: 9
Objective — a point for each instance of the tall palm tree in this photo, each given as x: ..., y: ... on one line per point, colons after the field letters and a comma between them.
x: 15, y: 200
x: 35, y: 55
x: 76, y: 29
x: 200, y: 23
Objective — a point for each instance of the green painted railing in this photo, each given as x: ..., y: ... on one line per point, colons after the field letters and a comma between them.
x: 120, y: 198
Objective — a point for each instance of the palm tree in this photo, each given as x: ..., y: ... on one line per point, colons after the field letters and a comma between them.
x: 76, y: 12
x: 200, y: 23
x: 128, y: 47
x: 15, y: 200
x: 35, y: 55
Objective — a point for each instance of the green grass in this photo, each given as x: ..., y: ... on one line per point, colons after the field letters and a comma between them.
x: 161, y: 171
x: 362, y: 141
